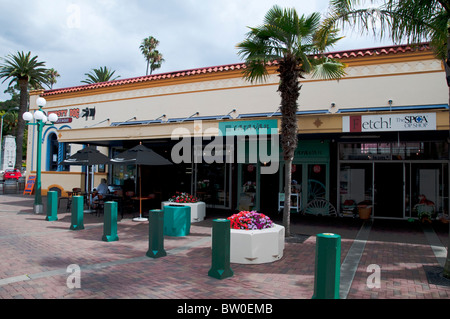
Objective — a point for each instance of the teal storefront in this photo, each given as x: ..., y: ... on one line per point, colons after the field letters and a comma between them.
x: 257, y: 150
x: 310, y: 174
x: 265, y: 192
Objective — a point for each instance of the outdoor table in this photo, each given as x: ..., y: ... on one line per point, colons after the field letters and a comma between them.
x: 177, y: 220
x: 140, y: 199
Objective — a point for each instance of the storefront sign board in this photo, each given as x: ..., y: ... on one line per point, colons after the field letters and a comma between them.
x: 256, y: 127
x: 389, y: 122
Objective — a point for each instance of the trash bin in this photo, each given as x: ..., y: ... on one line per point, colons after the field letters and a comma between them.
x: 364, y: 211
x: 177, y: 220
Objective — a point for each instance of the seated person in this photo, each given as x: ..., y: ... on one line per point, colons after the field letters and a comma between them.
x: 102, y: 189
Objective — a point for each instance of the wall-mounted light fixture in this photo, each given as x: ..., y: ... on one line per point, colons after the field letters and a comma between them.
x: 229, y: 113
x: 196, y: 113
x: 333, y: 108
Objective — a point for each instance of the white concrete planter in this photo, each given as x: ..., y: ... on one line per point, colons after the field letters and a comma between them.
x: 257, y: 246
x: 198, y: 210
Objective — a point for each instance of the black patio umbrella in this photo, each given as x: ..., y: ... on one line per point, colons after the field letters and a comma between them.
x: 87, y: 156
x: 140, y: 155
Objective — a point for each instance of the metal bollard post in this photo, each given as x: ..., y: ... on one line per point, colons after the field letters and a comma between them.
x: 110, y: 222
x: 156, y: 234
x: 328, y: 266
x: 52, y: 206
x: 77, y: 213
x: 220, y: 264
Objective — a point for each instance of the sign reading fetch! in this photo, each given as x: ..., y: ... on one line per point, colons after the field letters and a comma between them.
x: 389, y: 122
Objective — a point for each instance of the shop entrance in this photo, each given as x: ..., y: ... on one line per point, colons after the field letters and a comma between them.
x: 389, y: 190
x: 400, y: 180
x: 212, y: 184
x: 269, y: 187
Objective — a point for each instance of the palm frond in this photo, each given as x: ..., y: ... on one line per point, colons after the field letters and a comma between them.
x: 328, y: 69
x: 284, y: 36
x: 410, y: 21
x: 22, y: 66
x: 103, y: 74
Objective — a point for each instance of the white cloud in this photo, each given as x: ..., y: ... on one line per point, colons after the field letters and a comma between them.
x: 74, y: 36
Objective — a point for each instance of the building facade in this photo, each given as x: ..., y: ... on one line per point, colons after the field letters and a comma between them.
x: 377, y: 136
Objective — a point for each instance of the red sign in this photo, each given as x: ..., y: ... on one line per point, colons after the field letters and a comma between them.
x: 355, y: 123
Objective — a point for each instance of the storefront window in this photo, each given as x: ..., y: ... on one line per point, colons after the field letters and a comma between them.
x: 247, y: 198
x: 428, y: 189
x: 213, y: 183
x: 393, y: 151
x: 123, y: 174
x: 52, y: 152
x: 355, y: 187
x: 317, y: 181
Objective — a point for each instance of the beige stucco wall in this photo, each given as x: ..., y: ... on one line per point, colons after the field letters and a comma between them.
x: 370, y: 84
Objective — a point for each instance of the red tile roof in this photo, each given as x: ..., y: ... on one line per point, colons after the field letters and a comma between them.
x: 348, y: 54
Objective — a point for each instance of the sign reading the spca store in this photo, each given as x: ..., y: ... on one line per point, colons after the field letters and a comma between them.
x: 389, y: 122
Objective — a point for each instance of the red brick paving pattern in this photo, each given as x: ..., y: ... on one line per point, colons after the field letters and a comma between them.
x: 29, y: 245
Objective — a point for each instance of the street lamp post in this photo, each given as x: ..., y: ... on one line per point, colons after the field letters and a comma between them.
x: 41, y: 121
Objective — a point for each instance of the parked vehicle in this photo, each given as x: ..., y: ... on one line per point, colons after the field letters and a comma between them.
x: 12, y: 174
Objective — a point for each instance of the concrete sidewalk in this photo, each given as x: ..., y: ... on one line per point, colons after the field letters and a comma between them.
x: 38, y: 257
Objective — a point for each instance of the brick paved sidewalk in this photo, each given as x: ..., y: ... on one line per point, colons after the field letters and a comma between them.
x: 35, y: 255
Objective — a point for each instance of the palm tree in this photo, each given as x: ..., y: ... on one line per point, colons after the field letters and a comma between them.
x: 52, y: 74
x: 24, y: 70
x: 100, y: 75
x: 152, y: 56
x: 290, y: 42
x: 413, y: 21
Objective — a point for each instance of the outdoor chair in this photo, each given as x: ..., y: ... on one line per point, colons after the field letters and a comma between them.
x: 99, y: 205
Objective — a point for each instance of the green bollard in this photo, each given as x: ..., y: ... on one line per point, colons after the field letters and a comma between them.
x: 110, y: 222
x: 77, y: 213
x: 52, y: 206
x: 220, y: 265
x: 156, y: 234
x: 328, y: 266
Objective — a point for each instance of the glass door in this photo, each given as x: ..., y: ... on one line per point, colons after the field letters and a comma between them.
x: 212, y: 184
x: 428, y: 188
x: 355, y: 188
x: 389, y: 190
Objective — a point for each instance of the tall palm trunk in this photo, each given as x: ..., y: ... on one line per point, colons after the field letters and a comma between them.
x: 447, y: 71
x: 23, y: 107
x: 289, y: 89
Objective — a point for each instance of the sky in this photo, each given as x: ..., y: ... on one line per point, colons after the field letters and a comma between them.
x: 76, y: 36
